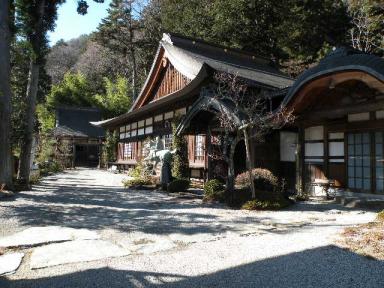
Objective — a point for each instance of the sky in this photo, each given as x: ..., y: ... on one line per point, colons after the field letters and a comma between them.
x: 70, y: 24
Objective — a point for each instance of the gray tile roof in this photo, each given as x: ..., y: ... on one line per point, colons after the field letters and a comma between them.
x: 75, y: 122
x: 341, y: 59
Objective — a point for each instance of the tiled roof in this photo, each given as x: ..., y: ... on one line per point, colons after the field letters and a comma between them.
x: 75, y: 121
x: 341, y: 59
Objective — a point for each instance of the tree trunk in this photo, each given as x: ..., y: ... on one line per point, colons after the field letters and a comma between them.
x: 231, y: 167
x: 6, y: 168
x: 133, y: 54
x: 249, y: 162
x: 27, y: 140
x: 35, y: 39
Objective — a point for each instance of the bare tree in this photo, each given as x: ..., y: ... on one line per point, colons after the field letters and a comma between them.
x: 251, y: 117
x: 6, y: 170
x: 368, y: 23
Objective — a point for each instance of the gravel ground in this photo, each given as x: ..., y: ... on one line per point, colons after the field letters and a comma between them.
x: 184, y: 243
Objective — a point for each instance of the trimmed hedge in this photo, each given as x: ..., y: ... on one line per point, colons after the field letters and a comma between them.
x: 214, y: 190
x: 136, y: 182
x: 265, y: 204
x: 178, y: 185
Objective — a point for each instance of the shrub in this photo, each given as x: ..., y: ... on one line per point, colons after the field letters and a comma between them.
x: 380, y: 216
x: 178, y: 185
x: 269, y: 191
x: 49, y: 167
x: 136, y: 182
x: 264, y: 179
x: 214, y: 190
x: 265, y: 204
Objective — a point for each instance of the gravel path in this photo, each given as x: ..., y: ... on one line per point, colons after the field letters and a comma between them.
x: 184, y: 243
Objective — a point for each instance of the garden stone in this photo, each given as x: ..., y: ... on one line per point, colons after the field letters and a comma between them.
x: 9, y: 263
x: 42, y: 235
x: 73, y: 252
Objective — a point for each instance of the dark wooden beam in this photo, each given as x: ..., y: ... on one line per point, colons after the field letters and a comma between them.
x: 342, y: 111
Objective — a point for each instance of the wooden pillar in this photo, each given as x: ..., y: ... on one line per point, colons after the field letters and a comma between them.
x: 208, y: 141
x: 326, y: 152
x: 300, y: 162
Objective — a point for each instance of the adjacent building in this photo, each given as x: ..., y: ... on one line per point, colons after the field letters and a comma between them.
x: 77, y: 141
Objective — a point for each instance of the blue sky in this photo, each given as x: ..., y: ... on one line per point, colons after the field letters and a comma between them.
x: 70, y: 25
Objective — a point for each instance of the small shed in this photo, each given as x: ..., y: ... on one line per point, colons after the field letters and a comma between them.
x: 78, y: 142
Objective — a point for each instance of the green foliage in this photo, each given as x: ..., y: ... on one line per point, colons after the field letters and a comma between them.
x: 117, y: 98
x: 178, y: 185
x: 74, y: 90
x: 279, y: 29
x: 45, y: 118
x: 49, y: 167
x: 180, y: 157
x: 136, y: 183
x: 214, y: 190
x: 46, y: 151
x: 265, y: 204
x: 109, y: 147
x: 380, y: 216
x: 269, y: 189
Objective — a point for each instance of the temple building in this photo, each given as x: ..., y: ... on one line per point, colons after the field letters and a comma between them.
x: 338, y: 107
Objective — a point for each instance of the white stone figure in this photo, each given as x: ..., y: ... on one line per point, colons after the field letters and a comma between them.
x: 158, y: 155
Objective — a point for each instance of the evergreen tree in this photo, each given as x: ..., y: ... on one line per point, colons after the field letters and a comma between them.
x: 120, y: 32
x: 35, y: 18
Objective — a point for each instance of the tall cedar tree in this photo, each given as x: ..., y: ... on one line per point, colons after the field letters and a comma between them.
x: 35, y: 18
x: 120, y: 32
x: 6, y: 171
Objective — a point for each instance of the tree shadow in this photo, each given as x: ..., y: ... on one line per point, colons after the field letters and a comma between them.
x: 328, y: 266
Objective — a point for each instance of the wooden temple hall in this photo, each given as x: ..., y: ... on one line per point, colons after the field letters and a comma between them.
x: 337, y: 134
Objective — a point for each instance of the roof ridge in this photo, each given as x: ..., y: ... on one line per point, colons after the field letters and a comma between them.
x: 213, y: 45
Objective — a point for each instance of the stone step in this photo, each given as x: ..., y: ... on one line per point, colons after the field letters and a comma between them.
x: 358, y: 202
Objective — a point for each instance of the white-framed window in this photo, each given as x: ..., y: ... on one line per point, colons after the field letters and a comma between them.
x: 199, y: 147
x: 140, y: 131
x: 148, y: 129
x: 159, y: 118
x: 168, y: 115
x: 148, y: 121
x: 128, y: 151
x: 141, y: 123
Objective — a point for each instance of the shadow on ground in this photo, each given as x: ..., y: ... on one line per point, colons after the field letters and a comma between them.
x: 77, y: 199
x: 327, y: 266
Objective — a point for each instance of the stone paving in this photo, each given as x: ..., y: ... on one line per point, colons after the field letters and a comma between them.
x: 81, y: 221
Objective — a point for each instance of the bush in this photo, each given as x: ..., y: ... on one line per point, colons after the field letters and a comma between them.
x: 269, y: 191
x: 136, y: 182
x: 214, y: 190
x: 264, y: 179
x: 380, y: 216
x: 49, y: 167
x: 265, y: 204
x: 178, y: 185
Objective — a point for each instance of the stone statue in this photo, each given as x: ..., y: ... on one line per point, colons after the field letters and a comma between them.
x: 157, y: 154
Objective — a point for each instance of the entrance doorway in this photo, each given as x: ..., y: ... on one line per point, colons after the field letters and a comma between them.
x: 87, y: 155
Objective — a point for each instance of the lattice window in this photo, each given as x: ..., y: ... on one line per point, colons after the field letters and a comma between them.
x: 168, y: 141
x: 128, y: 151
x: 199, y: 147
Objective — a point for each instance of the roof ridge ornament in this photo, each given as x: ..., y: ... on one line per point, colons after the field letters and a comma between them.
x: 167, y: 38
